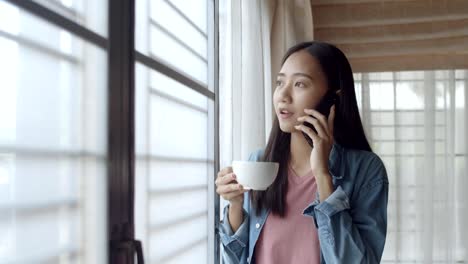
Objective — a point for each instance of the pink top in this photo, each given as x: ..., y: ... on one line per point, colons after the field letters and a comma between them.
x: 292, y: 239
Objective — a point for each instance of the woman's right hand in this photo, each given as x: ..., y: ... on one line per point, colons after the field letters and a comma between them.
x: 228, y: 187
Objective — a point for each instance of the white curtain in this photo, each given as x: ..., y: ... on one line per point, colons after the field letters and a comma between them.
x: 416, y: 121
x: 254, y: 35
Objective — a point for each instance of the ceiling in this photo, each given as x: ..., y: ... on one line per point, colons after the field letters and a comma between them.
x: 393, y: 35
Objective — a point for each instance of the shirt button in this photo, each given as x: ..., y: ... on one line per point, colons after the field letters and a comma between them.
x: 257, y: 225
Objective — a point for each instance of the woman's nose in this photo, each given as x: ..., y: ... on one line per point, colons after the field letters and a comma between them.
x: 285, y: 92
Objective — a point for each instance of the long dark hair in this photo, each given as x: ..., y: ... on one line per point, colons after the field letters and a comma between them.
x: 348, y: 131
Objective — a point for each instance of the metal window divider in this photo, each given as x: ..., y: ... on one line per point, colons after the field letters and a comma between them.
x: 121, y: 134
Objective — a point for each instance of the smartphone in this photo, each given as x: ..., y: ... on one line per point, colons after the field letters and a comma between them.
x: 329, y: 99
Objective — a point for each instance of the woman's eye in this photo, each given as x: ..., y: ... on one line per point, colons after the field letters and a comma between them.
x: 300, y: 84
x: 278, y: 83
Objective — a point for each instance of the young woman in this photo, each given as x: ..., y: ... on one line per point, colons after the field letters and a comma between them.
x: 328, y: 203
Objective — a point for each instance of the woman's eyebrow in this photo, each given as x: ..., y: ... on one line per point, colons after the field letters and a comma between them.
x: 296, y: 74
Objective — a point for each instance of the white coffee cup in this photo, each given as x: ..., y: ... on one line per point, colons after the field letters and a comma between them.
x: 255, y: 175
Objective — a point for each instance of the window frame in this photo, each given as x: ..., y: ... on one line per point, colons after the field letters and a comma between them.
x: 122, y: 56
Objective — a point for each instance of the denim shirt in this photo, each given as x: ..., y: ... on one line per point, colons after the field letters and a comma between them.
x: 351, y: 222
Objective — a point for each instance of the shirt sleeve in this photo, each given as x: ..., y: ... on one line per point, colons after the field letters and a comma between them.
x: 354, y: 233
x: 234, y: 243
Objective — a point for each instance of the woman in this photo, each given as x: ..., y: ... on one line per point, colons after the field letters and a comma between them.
x: 328, y: 203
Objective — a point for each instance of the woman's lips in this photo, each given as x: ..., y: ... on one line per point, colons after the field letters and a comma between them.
x: 285, y: 115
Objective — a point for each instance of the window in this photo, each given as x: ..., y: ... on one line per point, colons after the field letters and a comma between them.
x: 53, y: 137
x: 175, y: 131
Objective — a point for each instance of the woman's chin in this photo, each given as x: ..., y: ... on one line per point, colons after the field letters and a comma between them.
x: 287, y: 129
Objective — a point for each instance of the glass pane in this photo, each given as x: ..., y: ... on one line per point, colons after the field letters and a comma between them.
x: 19, y: 25
x: 382, y: 118
x: 410, y: 118
x: 442, y: 97
x: 461, y: 74
x: 169, y: 50
x: 159, y: 83
x: 380, y: 76
x: 460, y: 118
x: 174, y: 169
x: 174, y: 32
x: 53, y: 136
x: 195, y: 11
x: 410, y: 95
x: 410, y: 75
x: 442, y: 75
x: 390, y: 250
x: 169, y: 17
x: 390, y: 166
x: 381, y: 95
x: 461, y: 181
x: 410, y: 133
x: 384, y: 148
x: 383, y: 133
x: 358, y: 90
x: 357, y: 77
x: 88, y: 13
x: 170, y: 129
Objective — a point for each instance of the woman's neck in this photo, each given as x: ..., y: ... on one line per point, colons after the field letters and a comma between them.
x: 299, y: 152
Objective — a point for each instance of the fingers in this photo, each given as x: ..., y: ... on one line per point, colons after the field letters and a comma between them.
x: 320, y: 117
x: 225, y: 179
x: 324, y: 126
x: 224, y: 189
x: 331, y: 120
x: 225, y: 171
x: 308, y: 131
x: 227, y: 186
x: 232, y: 195
x: 321, y: 131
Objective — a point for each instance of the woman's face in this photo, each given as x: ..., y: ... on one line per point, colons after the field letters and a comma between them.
x: 300, y: 84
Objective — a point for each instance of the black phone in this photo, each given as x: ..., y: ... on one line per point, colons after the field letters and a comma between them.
x: 329, y: 99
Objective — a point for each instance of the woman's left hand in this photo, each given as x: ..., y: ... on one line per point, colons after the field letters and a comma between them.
x: 322, y: 140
